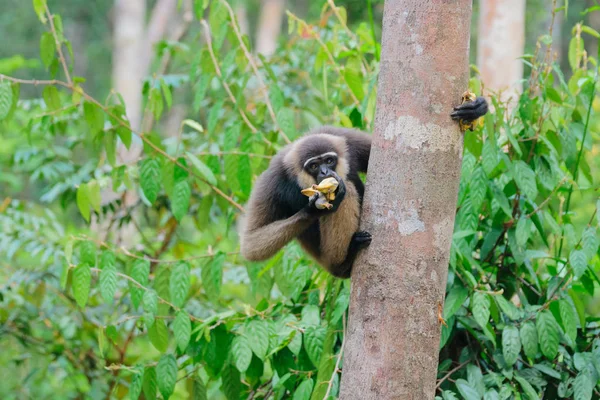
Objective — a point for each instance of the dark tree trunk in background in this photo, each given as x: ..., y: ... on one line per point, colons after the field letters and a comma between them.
x: 501, y: 42
x: 399, y: 282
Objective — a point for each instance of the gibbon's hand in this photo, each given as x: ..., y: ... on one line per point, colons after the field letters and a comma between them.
x: 314, y: 202
x: 470, y: 111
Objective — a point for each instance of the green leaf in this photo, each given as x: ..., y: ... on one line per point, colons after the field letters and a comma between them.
x: 257, y: 334
x: 575, y: 52
x: 150, y: 301
x: 529, y: 339
x: 47, y: 48
x: 162, y: 278
x: 232, y: 385
x: 241, y: 352
x: 108, y: 276
x: 202, y: 169
x: 286, y: 121
x: 508, y: 308
x: 579, y: 262
x: 466, y: 390
x: 83, y: 201
x: 51, y: 98
x: 87, y: 253
x: 166, y: 372
x: 525, y: 179
x: 568, y: 318
x: 94, y: 116
x: 150, y: 178
x: 523, y: 231
x: 182, y: 329
x: 511, y: 345
x: 198, y: 390
x: 528, y: 390
x: 480, y: 306
x: 167, y: 93
x: 548, y: 334
x: 354, y: 81
x: 159, y: 335
x: 125, y: 135
x: 39, y: 6
x: 82, y: 279
x: 135, y: 387
x: 478, y: 188
x: 456, y: 297
x: 341, y: 305
x: 149, y: 385
x: 475, y: 378
x: 212, y: 276
x: 94, y: 195
x: 140, y: 271
x: 583, y: 386
x: 180, y: 200
x: 489, y: 157
x: 304, y: 390
x: 244, y: 174
x: 6, y: 99
x: 179, y: 283
x: 311, y: 315
x: 314, y: 338
x: 590, y: 242
x: 110, y: 147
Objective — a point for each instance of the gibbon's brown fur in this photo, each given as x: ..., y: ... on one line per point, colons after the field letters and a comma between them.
x: 277, y: 212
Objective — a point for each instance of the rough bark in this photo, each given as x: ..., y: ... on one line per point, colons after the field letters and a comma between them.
x: 500, y: 44
x: 269, y: 26
x: 399, y: 282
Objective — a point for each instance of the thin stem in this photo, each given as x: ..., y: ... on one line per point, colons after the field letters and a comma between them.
x: 579, y: 155
x: 61, y: 56
x: 252, y: 63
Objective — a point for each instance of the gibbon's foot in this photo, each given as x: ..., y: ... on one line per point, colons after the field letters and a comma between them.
x: 471, y: 110
x: 361, y: 239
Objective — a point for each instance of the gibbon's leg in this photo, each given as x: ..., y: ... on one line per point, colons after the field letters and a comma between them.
x: 338, y: 233
x: 470, y: 111
x: 359, y: 241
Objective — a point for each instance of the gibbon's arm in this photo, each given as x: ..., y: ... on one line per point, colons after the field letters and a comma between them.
x: 263, y: 234
x: 358, y: 144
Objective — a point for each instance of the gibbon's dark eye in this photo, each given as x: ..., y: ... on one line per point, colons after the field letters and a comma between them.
x: 312, y: 166
x: 330, y: 161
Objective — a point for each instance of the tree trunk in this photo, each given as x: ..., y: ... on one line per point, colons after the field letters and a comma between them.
x: 269, y: 26
x: 501, y: 42
x: 398, y: 283
x: 128, y: 55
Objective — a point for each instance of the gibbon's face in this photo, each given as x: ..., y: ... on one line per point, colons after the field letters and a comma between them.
x: 321, y: 166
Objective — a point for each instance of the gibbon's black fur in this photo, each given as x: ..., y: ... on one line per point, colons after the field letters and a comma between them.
x: 277, y: 212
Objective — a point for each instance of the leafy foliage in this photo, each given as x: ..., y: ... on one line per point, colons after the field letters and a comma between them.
x: 98, y: 237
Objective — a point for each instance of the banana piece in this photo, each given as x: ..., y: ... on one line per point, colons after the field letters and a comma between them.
x: 325, y: 190
x: 468, y: 97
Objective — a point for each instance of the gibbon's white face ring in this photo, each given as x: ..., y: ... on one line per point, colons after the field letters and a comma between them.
x: 330, y: 153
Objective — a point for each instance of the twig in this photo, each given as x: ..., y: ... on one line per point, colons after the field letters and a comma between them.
x: 335, y: 66
x: 335, y: 10
x: 220, y: 75
x: 543, y: 203
x: 136, y: 283
x: 453, y: 370
x: 61, y: 56
x: 261, y: 82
